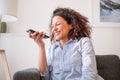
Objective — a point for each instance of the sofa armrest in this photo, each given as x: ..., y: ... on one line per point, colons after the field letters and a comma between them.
x: 108, y: 66
x: 27, y: 74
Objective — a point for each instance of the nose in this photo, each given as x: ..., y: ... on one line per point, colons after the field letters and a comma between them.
x: 54, y: 28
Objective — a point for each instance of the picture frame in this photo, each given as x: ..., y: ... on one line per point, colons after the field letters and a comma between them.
x: 96, y: 22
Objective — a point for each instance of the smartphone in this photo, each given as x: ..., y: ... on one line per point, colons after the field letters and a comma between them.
x: 32, y: 31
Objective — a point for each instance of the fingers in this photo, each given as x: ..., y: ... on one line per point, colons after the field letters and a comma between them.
x: 38, y: 38
x: 33, y: 35
x: 37, y: 35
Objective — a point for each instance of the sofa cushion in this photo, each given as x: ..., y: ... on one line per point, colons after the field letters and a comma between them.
x: 27, y: 74
x: 108, y: 66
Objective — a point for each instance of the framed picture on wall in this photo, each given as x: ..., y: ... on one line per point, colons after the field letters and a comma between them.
x: 106, y: 13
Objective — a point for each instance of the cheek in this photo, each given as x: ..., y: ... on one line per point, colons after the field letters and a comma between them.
x: 52, y: 30
x: 66, y: 30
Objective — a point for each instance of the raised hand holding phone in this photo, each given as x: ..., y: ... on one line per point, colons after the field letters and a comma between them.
x: 32, y: 31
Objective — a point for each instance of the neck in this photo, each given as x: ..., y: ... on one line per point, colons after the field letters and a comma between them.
x: 62, y: 42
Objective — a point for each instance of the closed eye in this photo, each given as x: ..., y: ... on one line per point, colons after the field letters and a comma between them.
x: 57, y: 24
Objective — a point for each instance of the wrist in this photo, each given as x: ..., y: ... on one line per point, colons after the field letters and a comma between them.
x: 41, y: 44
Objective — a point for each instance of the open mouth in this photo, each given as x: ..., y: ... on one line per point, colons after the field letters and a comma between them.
x: 57, y: 33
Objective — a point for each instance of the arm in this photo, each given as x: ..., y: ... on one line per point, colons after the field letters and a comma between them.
x: 89, y: 70
x: 38, y: 38
x: 42, y: 63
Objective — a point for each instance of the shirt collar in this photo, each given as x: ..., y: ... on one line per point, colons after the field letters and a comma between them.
x: 68, y: 42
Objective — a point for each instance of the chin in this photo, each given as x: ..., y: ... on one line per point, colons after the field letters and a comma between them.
x: 57, y: 38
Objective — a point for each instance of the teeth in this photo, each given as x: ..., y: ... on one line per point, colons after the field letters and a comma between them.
x: 56, y: 33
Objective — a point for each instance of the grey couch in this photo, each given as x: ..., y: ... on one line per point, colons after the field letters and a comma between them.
x: 108, y: 67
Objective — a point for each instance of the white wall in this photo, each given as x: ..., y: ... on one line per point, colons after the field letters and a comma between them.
x: 36, y: 14
x: 106, y: 40
x: 22, y: 52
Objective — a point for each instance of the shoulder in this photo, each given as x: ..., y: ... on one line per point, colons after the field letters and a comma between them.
x: 85, y: 42
x: 85, y: 39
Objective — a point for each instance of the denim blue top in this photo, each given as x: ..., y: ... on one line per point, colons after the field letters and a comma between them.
x: 76, y: 61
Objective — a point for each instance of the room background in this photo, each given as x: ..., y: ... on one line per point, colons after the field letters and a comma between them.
x: 22, y: 52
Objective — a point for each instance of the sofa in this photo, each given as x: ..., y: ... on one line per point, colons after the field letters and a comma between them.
x: 108, y: 67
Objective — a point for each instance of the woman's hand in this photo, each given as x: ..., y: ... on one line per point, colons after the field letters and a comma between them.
x: 38, y: 38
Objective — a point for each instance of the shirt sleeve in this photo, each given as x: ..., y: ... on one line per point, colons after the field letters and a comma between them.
x: 89, y: 71
x: 48, y: 55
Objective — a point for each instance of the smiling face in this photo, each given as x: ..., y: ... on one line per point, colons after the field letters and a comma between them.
x: 60, y: 28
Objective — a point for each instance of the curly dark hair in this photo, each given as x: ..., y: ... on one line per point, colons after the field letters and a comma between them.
x: 79, y: 23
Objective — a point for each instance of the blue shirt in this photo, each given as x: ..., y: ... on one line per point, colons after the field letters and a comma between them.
x: 76, y: 61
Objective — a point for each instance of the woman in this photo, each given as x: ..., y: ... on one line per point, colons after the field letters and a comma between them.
x: 71, y: 55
